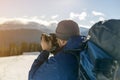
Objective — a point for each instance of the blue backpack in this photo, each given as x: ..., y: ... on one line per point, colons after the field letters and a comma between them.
x: 100, y: 58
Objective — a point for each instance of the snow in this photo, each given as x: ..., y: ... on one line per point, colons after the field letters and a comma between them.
x: 16, y: 67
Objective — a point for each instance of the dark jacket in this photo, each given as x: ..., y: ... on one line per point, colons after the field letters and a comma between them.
x: 62, y: 66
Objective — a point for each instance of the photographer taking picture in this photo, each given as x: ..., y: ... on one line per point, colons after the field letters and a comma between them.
x: 64, y: 64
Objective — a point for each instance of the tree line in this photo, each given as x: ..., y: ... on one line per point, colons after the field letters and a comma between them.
x: 18, y: 49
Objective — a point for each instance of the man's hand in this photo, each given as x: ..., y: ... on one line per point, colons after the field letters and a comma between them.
x: 46, y: 45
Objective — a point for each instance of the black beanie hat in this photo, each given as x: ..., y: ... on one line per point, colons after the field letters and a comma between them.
x: 66, y: 29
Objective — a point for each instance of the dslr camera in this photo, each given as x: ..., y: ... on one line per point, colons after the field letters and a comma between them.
x: 51, y: 38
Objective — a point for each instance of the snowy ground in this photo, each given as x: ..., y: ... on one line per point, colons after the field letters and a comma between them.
x: 16, y: 67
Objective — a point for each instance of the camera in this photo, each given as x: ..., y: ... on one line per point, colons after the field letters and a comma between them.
x: 51, y: 38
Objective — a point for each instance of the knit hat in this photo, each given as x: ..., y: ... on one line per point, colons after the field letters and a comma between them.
x: 66, y: 29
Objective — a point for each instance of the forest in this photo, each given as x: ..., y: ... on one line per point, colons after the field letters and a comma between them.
x: 18, y: 49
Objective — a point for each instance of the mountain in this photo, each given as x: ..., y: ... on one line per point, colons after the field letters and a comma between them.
x: 10, y: 25
x: 19, y: 36
x: 16, y: 32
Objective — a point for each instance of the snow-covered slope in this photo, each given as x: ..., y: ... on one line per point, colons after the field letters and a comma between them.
x: 16, y: 67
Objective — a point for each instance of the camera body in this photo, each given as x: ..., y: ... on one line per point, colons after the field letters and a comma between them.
x: 51, y: 38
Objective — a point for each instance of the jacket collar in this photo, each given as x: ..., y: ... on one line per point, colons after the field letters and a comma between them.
x: 74, y: 43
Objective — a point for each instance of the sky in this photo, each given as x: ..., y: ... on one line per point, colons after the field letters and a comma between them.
x: 84, y: 12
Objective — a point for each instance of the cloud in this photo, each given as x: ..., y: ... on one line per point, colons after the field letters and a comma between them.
x: 92, y: 22
x: 80, y: 16
x: 54, y: 17
x: 85, y: 26
x: 42, y: 17
x: 95, y: 13
x: 101, y: 18
x: 29, y: 19
x: 29, y: 23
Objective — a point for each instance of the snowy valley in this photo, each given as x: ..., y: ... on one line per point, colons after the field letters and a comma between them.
x: 16, y: 67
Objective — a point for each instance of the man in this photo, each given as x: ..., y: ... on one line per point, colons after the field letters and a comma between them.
x: 64, y: 65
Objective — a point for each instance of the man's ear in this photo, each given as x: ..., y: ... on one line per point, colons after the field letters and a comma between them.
x: 63, y: 42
